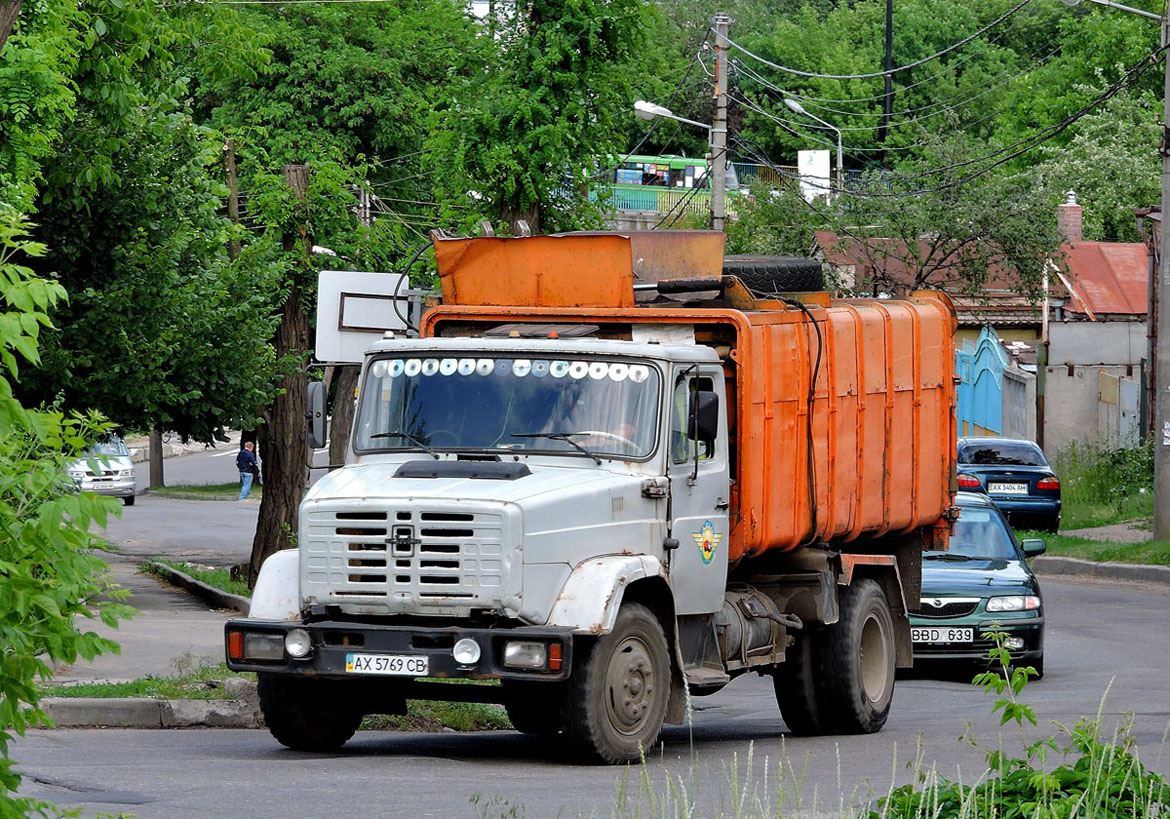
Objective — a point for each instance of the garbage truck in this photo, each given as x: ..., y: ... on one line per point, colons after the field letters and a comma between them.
x: 608, y: 474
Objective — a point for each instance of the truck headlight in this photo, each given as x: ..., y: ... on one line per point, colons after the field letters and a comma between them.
x: 466, y: 652
x: 263, y: 645
x: 525, y: 654
x: 1017, y: 602
x: 297, y: 643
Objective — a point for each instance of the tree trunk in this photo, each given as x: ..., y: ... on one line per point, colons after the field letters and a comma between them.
x: 513, y: 216
x: 9, y: 11
x: 284, y: 438
x: 342, y: 417
x: 284, y: 442
x: 156, y: 459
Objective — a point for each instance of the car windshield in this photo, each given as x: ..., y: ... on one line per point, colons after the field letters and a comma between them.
x: 981, y: 533
x: 112, y: 447
x: 1000, y: 453
x: 574, y: 406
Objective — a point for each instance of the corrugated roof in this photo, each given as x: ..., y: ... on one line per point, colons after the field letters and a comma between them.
x: 1108, y: 277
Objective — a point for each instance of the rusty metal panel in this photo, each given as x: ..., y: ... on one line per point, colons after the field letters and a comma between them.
x: 677, y: 254
x: 537, y: 271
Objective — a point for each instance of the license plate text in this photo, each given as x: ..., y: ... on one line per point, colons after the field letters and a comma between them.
x: 396, y: 665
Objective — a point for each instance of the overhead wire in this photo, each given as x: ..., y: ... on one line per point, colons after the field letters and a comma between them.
x: 897, y: 69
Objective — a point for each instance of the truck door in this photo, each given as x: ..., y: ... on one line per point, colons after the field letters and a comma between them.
x: 699, y: 494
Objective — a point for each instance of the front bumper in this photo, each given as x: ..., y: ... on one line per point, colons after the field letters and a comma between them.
x: 1030, y: 630
x: 114, y: 488
x: 332, y: 640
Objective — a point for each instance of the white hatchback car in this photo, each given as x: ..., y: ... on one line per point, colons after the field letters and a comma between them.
x: 106, y: 469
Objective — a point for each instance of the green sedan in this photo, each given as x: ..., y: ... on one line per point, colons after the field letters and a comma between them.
x: 982, y: 582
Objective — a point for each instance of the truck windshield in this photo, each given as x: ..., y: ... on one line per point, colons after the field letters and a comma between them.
x: 603, y: 407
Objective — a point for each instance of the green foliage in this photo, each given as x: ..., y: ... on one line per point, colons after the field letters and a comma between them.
x: 1148, y: 552
x: 49, y: 573
x: 522, y: 140
x: 221, y: 579
x: 1112, y: 163
x: 1102, y: 775
x: 1100, y: 486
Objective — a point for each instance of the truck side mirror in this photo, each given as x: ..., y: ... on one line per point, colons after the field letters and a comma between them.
x: 703, y: 425
x: 316, y: 414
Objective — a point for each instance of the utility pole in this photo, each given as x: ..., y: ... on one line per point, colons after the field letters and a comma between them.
x: 888, y: 102
x: 1162, y: 372
x: 718, y: 164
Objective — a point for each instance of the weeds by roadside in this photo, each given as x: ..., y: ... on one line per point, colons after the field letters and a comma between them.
x: 218, y: 578
x: 210, y: 491
x: 1102, y: 486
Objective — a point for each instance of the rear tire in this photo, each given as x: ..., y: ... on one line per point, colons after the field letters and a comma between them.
x: 616, y: 699
x: 308, y: 714
x: 855, y: 667
x: 767, y: 275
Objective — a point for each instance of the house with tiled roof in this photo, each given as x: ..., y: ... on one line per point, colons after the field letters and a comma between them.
x: 1092, y: 316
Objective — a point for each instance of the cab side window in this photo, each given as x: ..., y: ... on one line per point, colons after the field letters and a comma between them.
x: 682, y: 448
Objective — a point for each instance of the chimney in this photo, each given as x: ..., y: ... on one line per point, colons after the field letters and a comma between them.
x: 1068, y: 219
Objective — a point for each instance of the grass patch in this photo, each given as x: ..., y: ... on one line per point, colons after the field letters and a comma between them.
x: 205, y: 491
x: 430, y: 716
x: 1156, y: 552
x: 1102, y: 486
x: 215, y: 577
x: 203, y: 683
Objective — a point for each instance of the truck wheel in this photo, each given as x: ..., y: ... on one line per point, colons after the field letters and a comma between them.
x: 307, y: 714
x: 795, y: 686
x: 766, y: 275
x: 534, y: 709
x: 855, y: 666
x: 616, y: 699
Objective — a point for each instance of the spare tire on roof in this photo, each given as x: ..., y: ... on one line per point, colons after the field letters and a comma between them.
x: 765, y: 275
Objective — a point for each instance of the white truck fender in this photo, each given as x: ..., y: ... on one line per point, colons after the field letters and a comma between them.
x: 278, y: 591
x: 590, y: 598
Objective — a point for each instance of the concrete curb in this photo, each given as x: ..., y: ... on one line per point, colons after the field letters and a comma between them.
x: 1050, y: 564
x: 208, y: 594
x: 141, y: 712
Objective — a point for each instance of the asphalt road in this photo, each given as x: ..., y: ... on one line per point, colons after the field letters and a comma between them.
x: 1103, y: 639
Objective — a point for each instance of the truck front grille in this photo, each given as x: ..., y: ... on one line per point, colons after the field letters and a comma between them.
x: 406, y: 557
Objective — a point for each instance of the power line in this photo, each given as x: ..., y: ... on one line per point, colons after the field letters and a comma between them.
x: 892, y: 71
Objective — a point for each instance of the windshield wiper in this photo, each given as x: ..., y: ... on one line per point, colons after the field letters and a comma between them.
x: 558, y: 436
x: 957, y: 558
x: 414, y: 439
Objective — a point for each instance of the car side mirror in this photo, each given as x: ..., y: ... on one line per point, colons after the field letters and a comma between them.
x: 316, y: 414
x: 703, y: 425
x: 1033, y: 546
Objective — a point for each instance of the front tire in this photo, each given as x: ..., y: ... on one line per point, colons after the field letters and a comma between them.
x: 307, y: 714
x: 795, y: 683
x: 855, y: 666
x: 534, y: 709
x: 128, y: 500
x: 617, y: 695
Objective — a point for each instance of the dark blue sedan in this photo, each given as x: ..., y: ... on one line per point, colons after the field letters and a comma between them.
x: 1016, y: 476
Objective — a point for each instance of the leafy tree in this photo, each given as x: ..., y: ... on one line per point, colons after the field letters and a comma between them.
x: 950, y: 230
x: 49, y: 572
x: 520, y: 139
x: 1113, y: 165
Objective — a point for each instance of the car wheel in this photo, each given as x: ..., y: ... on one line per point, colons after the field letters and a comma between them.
x: 128, y: 500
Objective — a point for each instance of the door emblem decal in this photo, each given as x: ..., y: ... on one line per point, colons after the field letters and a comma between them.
x: 707, y: 540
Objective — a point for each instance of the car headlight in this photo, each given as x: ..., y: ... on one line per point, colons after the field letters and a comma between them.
x: 1015, y: 602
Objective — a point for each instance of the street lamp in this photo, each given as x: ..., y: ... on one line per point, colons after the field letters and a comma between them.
x: 649, y: 110
x: 796, y: 107
x: 1162, y: 370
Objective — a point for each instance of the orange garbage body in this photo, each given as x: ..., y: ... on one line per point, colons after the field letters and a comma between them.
x: 869, y: 453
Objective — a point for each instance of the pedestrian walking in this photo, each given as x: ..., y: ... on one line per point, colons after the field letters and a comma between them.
x: 249, y: 468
